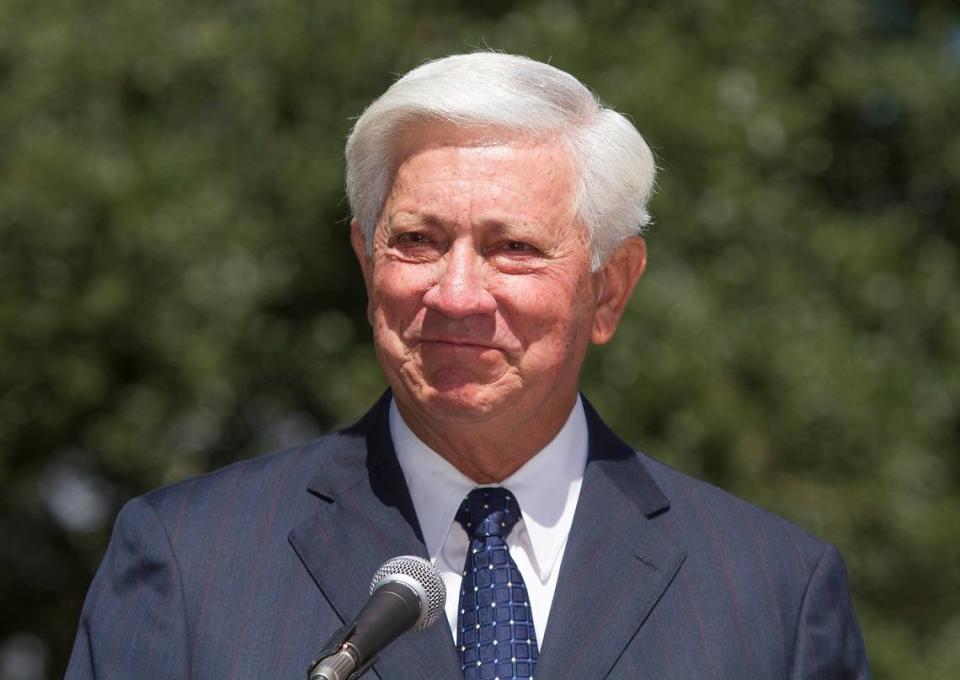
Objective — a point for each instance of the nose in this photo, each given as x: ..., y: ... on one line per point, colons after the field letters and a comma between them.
x: 460, y: 290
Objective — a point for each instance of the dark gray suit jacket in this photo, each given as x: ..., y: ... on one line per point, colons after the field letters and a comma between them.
x: 244, y: 573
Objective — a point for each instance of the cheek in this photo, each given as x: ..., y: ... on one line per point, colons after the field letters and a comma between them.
x: 398, y: 290
x: 548, y: 312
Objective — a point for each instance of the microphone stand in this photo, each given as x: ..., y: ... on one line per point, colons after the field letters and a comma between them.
x: 334, y: 645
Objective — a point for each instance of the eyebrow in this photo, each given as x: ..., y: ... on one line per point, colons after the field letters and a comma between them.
x: 407, y: 218
x: 522, y: 227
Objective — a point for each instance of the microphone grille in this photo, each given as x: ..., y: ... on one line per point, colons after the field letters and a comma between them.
x: 407, y: 568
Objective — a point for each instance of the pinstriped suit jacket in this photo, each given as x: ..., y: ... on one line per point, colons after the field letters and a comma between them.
x: 243, y: 573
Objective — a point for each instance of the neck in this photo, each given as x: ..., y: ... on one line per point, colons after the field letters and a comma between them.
x: 491, y: 450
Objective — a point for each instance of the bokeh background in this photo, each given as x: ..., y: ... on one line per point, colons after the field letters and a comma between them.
x: 177, y: 290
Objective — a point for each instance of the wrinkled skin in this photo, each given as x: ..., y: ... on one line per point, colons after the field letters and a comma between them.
x: 481, y: 295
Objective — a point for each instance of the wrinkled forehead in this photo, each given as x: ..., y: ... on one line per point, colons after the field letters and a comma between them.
x: 488, y: 177
x: 424, y: 135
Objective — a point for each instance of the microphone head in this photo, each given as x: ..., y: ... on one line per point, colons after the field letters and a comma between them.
x: 421, y: 577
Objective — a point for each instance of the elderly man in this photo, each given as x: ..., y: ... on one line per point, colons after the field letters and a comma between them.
x: 498, y: 210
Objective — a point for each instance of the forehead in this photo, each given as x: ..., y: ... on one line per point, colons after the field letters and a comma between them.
x: 478, y: 172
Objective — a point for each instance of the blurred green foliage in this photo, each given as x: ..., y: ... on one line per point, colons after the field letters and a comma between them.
x: 177, y: 289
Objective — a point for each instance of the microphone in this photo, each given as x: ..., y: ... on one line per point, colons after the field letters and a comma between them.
x: 406, y: 593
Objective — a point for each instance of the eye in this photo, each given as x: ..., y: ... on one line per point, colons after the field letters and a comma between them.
x: 519, y: 247
x: 515, y: 257
x: 414, y: 246
x: 411, y: 237
x: 516, y: 249
x: 412, y: 241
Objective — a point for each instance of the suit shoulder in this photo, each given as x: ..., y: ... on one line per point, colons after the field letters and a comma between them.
x: 705, y: 507
x: 253, y: 480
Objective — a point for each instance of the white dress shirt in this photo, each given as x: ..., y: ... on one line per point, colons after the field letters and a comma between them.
x: 546, y: 487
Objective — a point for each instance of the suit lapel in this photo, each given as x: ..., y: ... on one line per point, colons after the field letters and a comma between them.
x: 616, y: 565
x: 364, y: 517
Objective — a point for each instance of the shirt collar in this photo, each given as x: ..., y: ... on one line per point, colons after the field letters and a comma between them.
x: 546, y: 486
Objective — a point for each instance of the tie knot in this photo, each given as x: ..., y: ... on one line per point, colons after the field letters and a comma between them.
x: 488, y: 511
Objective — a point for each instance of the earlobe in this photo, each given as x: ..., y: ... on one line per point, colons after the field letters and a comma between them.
x: 617, y: 278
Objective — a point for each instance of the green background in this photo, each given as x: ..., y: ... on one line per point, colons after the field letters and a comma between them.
x: 177, y: 290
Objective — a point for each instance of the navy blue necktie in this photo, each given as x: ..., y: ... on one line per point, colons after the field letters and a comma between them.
x: 495, y: 623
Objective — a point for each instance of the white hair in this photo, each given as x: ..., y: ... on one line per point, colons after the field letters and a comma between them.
x: 496, y: 91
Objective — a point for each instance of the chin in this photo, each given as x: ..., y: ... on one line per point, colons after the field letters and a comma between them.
x: 460, y: 399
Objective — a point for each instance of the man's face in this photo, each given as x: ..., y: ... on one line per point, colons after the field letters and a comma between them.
x: 481, y: 296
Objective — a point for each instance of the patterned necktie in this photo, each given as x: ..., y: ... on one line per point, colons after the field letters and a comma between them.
x: 496, y: 637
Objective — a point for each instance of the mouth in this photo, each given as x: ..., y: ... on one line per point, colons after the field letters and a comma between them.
x: 459, y: 343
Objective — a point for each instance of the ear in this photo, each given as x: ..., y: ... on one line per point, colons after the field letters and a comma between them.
x: 366, y: 263
x: 360, y: 250
x: 614, y: 283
